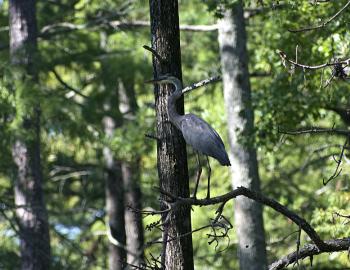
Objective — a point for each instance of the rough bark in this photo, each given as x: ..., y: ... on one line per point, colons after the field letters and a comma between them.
x: 31, y: 212
x: 240, y: 119
x: 131, y: 180
x: 171, y: 148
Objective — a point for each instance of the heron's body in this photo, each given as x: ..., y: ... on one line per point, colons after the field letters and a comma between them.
x: 203, y: 138
x: 196, y: 132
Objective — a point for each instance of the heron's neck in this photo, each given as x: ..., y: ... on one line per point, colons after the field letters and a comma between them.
x: 174, y: 116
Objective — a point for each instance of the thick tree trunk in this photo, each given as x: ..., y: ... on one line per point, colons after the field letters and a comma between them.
x: 114, y: 203
x: 32, y: 215
x: 171, y: 148
x: 248, y: 214
x: 131, y: 180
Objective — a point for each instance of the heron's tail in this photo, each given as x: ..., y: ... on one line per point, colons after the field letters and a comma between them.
x: 224, y: 160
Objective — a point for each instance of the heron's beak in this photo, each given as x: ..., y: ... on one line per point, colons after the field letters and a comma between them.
x: 160, y: 79
x: 152, y: 81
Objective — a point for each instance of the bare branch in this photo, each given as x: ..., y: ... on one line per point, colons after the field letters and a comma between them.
x: 310, y: 250
x: 341, y: 215
x: 242, y: 191
x: 338, y: 162
x: 285, y: 59
x: 307, y: 250
x: 152, y: 136
x: 201, y: 83
x: 155, y: 53
x: 184, y: 27
x: 67, y: 86
x: 316, y: 130
x: 322, y: 24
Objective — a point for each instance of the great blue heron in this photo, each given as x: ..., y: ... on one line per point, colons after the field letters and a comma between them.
x: 196, y: 132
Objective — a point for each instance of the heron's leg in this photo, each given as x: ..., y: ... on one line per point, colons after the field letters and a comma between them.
x: 209, y: 174
x: 199, y: 172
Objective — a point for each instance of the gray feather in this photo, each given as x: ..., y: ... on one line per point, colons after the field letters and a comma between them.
x: 203, y: 138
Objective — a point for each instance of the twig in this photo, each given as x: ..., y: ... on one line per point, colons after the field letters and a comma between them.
x: 225, y: 224
x: 61, y: 81
x: 298, y: 247
x: 201, y: 83
x: 322, y: 24
x: 10, y: 221
x: 155, y: 53
x: 152, y: 136
x: 340, y: 215
x: 338, y: 162
x: 75, y: 174
x: 315, y: 130
x: 285, y: 59
x: 328, y: 82
x: 282, y: 239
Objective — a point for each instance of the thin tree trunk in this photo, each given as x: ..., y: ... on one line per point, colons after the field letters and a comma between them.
x: 133, y: 219
x: 131, y: 180
x: 114, y: 188
x: 171, y: 148
x: 32, y: 216
x: 248, y: 214
x: 114, y: 203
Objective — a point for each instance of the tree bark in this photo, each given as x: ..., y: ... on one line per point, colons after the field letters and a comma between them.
x: 31, y: 211
x: 171, y: 148
x: 131, y: 179
x: 237, y: 94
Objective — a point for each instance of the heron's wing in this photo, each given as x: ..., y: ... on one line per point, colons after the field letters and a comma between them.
x: 200, y: 135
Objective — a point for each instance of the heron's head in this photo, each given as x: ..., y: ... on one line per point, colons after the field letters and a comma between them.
x: 164, y: 79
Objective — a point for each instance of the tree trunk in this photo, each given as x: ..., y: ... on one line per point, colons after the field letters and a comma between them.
x: 114, y: 203
x: 114, y: 188
x: 171, y: 148
x: 32, y: 216
x: 133, y: 219
x: 248, y: 214
x: 131, y: 180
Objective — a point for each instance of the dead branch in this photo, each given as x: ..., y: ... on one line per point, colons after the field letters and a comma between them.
x: 201, y: 83
x: 242, y: 191
x: 338, y: 162
x: 344, y: 216
x: 285, y: 59
x: 316, y: 130
x: 67, y: 86
x: 309, y: 250
x: 154, y: 53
